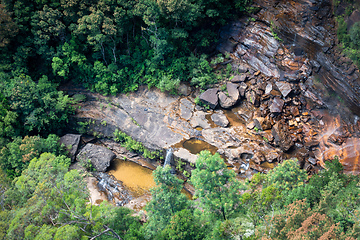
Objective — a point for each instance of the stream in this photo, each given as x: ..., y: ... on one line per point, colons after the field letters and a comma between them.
x: 292, y: 94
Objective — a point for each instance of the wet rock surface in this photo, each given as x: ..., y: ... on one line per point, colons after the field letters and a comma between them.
x: 278, y: 109
x: 199, y: 120
x: 281, y: 134
x: 114, y: 189
x: 284, y: 88
x: 186, y: 108
x: 220, y: 119
x: 232, y: 90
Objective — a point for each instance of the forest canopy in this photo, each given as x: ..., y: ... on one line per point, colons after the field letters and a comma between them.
x: 112, y: 46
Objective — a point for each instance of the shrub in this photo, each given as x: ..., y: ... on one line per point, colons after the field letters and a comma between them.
x: 287, y: 175
x: 132, y: 145
x: 355, y: 35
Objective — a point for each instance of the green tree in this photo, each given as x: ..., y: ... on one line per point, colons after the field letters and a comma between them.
x: 8, y: 27
x: 8, y: 118
x: 215, y: 185
x: 287, y: 175
x: 166, y: 201
x: 184, y: 225
x: 16, y: 155
x: 48, y: 200
x: 355, y: 35
x: 40, y: 107
x: 268, y: 192
x: 48, y: 30
x: 261, y: 201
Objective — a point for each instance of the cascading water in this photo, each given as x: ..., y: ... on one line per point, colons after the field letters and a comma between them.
x: 294, y: 42
x: 168, y: 159
x: 169, y: 156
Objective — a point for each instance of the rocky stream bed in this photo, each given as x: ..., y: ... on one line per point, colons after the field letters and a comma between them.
x: 293, y: 95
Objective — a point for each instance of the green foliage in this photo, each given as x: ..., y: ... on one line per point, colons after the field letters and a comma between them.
x: 16, y: 155
x: 168, y: 84
x: 299, y: 220
x: 88, y: 166
x: 349, y: 39
x: 223, y: 87
x: 330, y: 200
x: 114, y: 46
x: 132, y: 145
x: 39, y: 106
x: 355, y: 35
x: 79, y: 97
x: 51, y: 202
x: 274, y: 28
x: 183, y: 225
x: 8, y: 118
x: 216, y: 186
x: 167, y: 200
x: 343, y: 36
x: 228, y: 70
x: 287, y: 175
x: 202, y: 75
x: 218, y: 59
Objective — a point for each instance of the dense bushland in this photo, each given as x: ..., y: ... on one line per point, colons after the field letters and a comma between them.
x: 49, y: 202
x: 113, y: 46
x: 348, y: 37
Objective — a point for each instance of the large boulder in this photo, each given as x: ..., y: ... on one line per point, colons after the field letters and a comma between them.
x: 281, y: 134
x: 220, y: 119
x: 239, y: 78
x: 253, y: 98
x: 231, y: 98
x: 268, y: 88
x: 276, y: 105
x: 242, y: 89
x: 71, y: 144
x: 210, y: 97
x: 284, y: 88
x: 226, y: 101
x: 99, y: 156
x: 232, y: 90
x: 199, y: 120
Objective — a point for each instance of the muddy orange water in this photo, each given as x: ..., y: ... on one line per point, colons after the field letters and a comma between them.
x: 195, y: 146
x: 136, y: 178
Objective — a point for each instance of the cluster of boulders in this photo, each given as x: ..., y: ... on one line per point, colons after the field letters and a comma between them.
x: 97, y: 159
x: 279, y: 62
x: 278, y: 116
x: 281, y: 79
x: 285, y: 111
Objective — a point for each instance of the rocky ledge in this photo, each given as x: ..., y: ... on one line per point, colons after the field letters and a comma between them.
x: 275, y: 107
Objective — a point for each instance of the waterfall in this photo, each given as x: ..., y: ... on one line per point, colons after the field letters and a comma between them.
x: 294, y: 42
x: 245, y: 166
x: 169, y: 156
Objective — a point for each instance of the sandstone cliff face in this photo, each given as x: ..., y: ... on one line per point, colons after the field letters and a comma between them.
x: 286, y: 62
